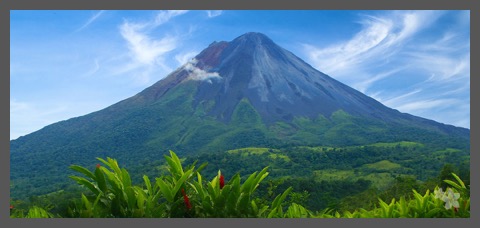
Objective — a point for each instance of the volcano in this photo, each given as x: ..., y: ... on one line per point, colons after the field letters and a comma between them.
x: 242, y: 93
x: 279, y: 85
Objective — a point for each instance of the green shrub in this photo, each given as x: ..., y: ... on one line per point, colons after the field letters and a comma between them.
x: 184, y: 193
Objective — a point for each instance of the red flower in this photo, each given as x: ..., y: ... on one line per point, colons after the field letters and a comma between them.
x: 222, y: 181
x: 98, y: 166
x: 11, y: 207
x: 186, y: 200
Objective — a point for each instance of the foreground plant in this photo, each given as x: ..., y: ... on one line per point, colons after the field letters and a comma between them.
x: 33, y: 212
x: 453, y: 203
x: 184, y: 193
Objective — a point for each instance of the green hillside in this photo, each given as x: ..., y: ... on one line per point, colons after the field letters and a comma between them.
x: 138, y: 133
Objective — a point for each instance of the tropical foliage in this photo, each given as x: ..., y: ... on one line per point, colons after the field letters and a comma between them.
x: 183, y: 192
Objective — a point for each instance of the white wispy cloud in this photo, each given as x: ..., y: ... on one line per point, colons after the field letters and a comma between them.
x: 380, y: 37
x: 391, y: 45
x: 362, y: 86
x: 398, y: 100
x: 335, y: 58
x: 183, y: 58
x: 91, y: 20
x: 426, y: 104
x: 214, y: 13
x: 442, y: 67
x: 164, y: 16
x: 147, y: 51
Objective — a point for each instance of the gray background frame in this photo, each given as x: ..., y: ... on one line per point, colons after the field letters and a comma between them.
x: 7, y: 5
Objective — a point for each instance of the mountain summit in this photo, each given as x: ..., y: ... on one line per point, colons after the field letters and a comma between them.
x: 248, y: 92
x: 278, y: 84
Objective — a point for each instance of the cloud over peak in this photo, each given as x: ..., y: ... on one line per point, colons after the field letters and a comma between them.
x: 198, y: 74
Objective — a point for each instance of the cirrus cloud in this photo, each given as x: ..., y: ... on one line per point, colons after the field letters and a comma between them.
x: 393, y: 46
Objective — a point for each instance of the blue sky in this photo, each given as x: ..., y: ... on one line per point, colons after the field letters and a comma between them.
x: 68, y: 63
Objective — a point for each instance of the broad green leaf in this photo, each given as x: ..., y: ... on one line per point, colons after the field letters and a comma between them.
x: 112, y: 164
x: 453, y: 184
x: 86, y: 203
x: 402, y: 207
x: 254, y: 207
x: 433, y: 212
x: 232, y: 201
x: 175, y: 158
x: 131, y: 198
x: 148, y: 184
x: 100, y: 178
x: 458, y: 180
x: 417, y: 196
x: 207, y: 206
x: 37, y: 212
x: 166, y: 190
x: 347, y: 214
x: 226, y: 191
x: 337, y: 215
x: 220, y: 202
x: 96, y: 201
x: 141, y: 198
x: 276, y: 205
x: 212, y: 190
x: 174, y: 164
x: 198, y: 188
x: 181, y: 181
x: 86, y: 183
x: 259, y: 178
x: 199, y: 178
x: 280, y: 198
x: 273, y: 213
x: 113, y: 180
x: 262, y: 211
x: 83, y: 170
x: 127, y: 182
x: 173, y: 168
x: 243, y: 202
x: 383, y: 204
x: 246, y: 187
x: 235, y: 183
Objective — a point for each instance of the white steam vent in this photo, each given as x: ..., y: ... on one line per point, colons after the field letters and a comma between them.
x: 199, y: 74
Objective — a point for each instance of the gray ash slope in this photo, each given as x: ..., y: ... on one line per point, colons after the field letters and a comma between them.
x: 279, y: 85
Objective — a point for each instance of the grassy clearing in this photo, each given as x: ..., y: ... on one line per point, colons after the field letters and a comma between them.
x: 272, y: 153
x: 401, y: 144
x: 333, y: 174
x: 317, y: 148
x: 383, y: 144
x: 249, y: 150
x: 384, y: 165
x: 380, y: 180
x: 280, y: 156
x: 448, y: 150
